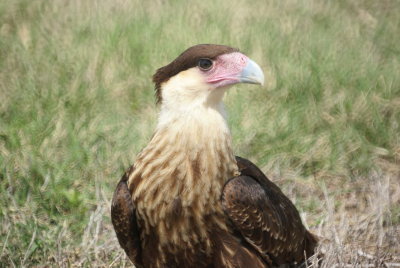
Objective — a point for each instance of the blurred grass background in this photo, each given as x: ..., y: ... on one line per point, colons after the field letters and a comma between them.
x: 77, y: 105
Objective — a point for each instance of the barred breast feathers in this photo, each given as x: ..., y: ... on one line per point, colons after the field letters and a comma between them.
x: 188, y: 159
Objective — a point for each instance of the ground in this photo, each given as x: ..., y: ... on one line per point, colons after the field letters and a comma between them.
x: 77, y: 105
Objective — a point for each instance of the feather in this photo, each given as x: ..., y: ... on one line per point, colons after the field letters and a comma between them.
x: 187, y: 201
x: 265, y: 217
x: 124, y: 220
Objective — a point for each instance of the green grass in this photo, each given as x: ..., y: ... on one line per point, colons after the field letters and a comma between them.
x: 77, y: 105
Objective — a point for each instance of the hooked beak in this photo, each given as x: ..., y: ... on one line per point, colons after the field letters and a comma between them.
x: 251, y: 74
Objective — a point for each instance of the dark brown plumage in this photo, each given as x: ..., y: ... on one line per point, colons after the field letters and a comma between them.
x: 265, y: 217
x: 188, y: 201
x: 264, y: 221
x: 124, y: 220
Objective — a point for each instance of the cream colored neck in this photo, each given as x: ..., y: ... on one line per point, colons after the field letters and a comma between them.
x: 189, y: 155
x: 193, y: 135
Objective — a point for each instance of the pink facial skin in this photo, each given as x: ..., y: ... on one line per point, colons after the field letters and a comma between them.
x: 226, y: 69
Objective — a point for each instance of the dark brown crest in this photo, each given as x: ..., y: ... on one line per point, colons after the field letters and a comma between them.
x: 186, y: 60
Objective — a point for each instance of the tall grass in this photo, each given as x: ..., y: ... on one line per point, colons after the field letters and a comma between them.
x: 76, y: 106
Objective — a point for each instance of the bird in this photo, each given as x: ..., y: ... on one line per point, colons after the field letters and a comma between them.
x: 188, y: 201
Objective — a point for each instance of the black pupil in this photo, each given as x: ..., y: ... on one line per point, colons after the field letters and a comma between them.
x: 205, y: 64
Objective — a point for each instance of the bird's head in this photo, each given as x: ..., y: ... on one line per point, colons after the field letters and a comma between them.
x: 201, y: 75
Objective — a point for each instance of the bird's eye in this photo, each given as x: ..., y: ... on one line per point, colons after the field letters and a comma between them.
x: 205, y: 64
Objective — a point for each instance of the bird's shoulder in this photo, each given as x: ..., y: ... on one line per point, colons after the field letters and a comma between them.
x: 123, y: 218
x: 264, y: 216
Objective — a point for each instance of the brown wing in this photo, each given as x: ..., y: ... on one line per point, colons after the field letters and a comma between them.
x: 123, y: 218
x: 265, y: 217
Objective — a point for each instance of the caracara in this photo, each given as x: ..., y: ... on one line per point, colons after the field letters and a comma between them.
x: 187, y: 201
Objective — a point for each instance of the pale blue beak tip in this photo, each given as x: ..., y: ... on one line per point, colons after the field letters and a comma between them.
x: 252, y: 74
